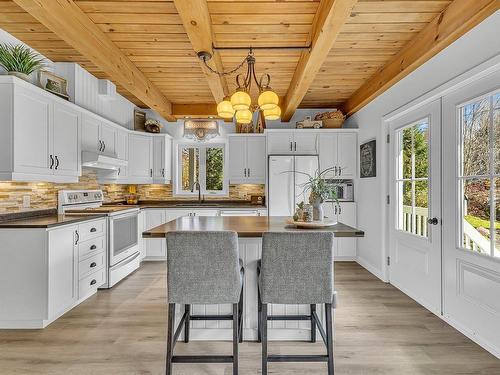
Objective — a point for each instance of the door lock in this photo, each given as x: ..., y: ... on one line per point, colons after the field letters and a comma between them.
x: 433, y: 221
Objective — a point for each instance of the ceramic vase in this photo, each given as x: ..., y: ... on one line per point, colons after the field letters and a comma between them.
x: 317, y: 203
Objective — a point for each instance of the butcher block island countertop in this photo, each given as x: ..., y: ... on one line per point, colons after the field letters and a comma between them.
x: 245, y: 226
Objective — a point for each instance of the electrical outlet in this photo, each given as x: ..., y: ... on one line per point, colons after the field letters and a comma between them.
x: 26, y: 201
x: 242, y: 194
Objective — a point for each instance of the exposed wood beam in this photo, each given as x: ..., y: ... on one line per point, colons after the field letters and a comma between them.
x: 458, y: 18
x: 197, y: 23
x: 329, y: 19
x: 194, y: 110
x: 67, y: 20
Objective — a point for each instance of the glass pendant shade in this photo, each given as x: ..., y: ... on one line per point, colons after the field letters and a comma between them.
x: 240, y: 100
x: 244, y: 116
x: 268, y: 100
x: 273, y: 114
x: 225, y: 109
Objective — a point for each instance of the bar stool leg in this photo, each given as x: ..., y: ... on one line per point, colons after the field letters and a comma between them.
x: 259, y: 315
x: 170, y: 335
x: 329, y: 337
x: 313, y: 323
x: 236, y: 328
x: 240, y: 315
x: 263, y: 335
x: 187, y: 309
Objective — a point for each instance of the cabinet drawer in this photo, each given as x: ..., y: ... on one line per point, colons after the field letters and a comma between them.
x: 90, y: 283
x: 91, y: 247
x: 91, y: 229
x: 91, y: 264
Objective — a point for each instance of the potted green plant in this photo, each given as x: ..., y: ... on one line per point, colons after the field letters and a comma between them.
x: 320, y: 190
x: 19, y: 60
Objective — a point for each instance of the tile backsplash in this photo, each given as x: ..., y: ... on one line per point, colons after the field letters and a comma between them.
x: 44, y: 194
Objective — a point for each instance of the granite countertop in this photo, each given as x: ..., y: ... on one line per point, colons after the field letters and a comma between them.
x: 42, y: 219
x: 248, y: 226
x: 214, y: 204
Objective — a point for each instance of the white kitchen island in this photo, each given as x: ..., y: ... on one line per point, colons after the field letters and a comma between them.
x: 250, y: 230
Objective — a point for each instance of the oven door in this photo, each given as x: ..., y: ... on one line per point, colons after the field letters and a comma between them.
x: 123, y: 236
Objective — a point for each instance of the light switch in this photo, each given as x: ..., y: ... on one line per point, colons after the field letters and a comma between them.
x: 26, y: 201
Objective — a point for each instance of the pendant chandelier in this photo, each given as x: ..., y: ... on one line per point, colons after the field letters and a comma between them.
x: 239, y: 105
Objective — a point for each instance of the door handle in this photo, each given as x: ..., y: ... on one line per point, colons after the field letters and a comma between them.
x: 100, y: 145
x: 245, y: 172
x: 291, y: 146
x: 77, y: 237
x: 57, y: 162
x: 119, y: 170
x: 340, y: 209
x: 295, y: 146
x: 151, y: 172
x: 433, y: 221
x: 51, y: 162
x: 248, y: 172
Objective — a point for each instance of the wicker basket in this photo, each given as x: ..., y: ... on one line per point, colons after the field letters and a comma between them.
x: 333, y: 123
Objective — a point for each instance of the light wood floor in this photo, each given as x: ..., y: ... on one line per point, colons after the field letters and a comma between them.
x: 122, y: 331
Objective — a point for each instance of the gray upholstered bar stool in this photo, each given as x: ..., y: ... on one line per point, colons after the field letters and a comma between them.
x: 203, y: 268
x: 297, y: 268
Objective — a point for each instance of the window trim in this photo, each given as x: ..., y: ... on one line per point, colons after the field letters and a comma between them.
x: 177, y: 189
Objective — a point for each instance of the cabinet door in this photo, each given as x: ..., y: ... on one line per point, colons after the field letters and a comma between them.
x: 140, y: 150
x: 66, y: 140
x: 158, y: 159
x: 237, y: 159
x: 256, y: 160
x: 346, y: 247
x: 63, y: 270
x: 280, y: 143
x: 347, y: 154
x: 122, y: 152
x: 205, y: 212
x: 327, y: 152
x: 90, y: 134
x: 155, y: 247
x: 108, y: 138
x: 32, y: 133
x: 168, y: 160
x: 305, y: 142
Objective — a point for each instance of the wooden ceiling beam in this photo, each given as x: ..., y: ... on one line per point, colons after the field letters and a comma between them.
x: 66, y: 19
x: 458, y: 18
x: 197, y: 23
x: 200, y: 110
x: 329, y: 19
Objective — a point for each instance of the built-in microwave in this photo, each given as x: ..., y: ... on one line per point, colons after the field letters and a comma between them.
x: 345, y: 190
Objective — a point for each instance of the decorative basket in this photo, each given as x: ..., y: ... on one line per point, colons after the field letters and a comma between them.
x: 331, y: 120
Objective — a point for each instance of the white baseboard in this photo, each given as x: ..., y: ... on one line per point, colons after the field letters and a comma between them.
x: 370, y: 268
x: 485, y: 344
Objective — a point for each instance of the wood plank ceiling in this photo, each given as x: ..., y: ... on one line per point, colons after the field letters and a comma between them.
x: 152, y: 35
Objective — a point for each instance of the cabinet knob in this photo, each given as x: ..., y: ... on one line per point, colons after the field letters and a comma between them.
x: 433, y: 221
x: 93, y: 264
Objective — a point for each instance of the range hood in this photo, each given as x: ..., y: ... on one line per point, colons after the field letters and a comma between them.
x: 98, y: 161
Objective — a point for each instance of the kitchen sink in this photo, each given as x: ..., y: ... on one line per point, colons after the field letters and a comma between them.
x: 196, y: 204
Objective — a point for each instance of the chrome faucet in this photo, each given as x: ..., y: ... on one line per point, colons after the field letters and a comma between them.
x: 197, y: 185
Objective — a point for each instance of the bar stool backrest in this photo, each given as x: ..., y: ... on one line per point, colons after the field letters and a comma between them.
x: 297, y: 268
x: 203, y: 267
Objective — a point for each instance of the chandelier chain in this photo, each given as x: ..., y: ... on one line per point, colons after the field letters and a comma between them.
x: 227, y: 73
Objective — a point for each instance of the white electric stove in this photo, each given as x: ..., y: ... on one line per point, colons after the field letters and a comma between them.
x: 122, y: 229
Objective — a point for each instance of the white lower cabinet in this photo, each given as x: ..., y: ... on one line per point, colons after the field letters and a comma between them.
x: 344, y: 248
x: 156, y: 248
x: 46, y: 272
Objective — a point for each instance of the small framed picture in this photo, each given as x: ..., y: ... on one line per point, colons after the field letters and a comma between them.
x: 53, y: 84
x: 368, y: 159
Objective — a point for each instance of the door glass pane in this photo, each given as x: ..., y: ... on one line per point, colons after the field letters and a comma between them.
x: 475, y: 138
x: 190, y: 167
x: 215, y: 169
x: 496, y: 250
x: 405, y: 206
x: 476, y: 231
x: 421, y: 148
x: 407, y: 150
x: 421, y: 207
x: 496, y: 139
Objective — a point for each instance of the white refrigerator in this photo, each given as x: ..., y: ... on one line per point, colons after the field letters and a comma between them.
x: 285, y: 185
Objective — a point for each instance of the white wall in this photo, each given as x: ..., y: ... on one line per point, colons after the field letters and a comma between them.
x: 477, y: 46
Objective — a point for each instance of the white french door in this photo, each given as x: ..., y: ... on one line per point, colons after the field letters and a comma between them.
x: 471, y: 210
x: 415, y: 210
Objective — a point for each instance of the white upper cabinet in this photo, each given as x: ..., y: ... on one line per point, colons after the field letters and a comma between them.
x: 121, y: 149
x: 338, y: 151
x: 66, y: 140
x: 162, y: 159
x: 40, y: 134
x: 97, y: 136
x: 140, y: 164
x: 292, y: 142
x: 247, y: 159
